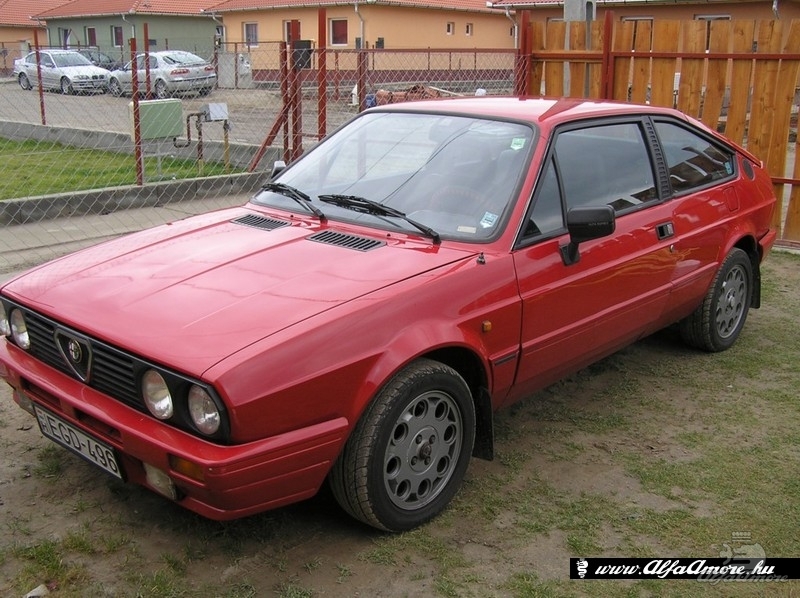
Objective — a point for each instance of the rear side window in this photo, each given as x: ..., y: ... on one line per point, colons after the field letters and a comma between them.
x: 693, y: 161
x: 605, y: 165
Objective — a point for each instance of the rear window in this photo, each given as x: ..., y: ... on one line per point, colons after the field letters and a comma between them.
x: 693, y: 161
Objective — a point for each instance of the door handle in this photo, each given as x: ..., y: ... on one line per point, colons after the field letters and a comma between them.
x: 665, y: 230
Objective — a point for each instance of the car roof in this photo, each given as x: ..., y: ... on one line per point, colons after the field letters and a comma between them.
x: 541, y: 111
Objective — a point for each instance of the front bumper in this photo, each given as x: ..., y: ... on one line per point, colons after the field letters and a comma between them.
x: 229, y: 481
x: 89, y: 84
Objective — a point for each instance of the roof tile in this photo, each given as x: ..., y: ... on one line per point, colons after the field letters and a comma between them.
x: 18, y: 13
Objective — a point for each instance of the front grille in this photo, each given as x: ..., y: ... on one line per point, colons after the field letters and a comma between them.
x: 113, y: 372
x: 109, y: 370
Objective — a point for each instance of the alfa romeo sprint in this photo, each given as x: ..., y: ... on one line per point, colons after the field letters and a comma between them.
x: 360, y: 319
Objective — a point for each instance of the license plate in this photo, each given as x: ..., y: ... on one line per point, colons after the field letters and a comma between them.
x: 80, y: 443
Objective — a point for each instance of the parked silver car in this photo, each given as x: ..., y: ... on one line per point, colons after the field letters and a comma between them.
x: 65, y: 70
x: 171, y: 71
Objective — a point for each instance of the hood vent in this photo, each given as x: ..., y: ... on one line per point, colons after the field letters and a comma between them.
x: 260, y: 222
x: 345, y: 240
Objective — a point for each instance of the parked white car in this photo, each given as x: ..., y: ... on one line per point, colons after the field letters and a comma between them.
x: 65, y: 70
x: 171, y: 71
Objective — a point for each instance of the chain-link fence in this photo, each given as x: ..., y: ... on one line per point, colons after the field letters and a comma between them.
x: 80, y: 162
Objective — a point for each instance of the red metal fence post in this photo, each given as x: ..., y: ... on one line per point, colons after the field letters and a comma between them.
x: 137, y: 128
x: 607, y: 73
x: 362, y: 78
x: 322, y: 73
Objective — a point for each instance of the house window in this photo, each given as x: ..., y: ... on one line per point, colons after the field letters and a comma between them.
x: 63, y: 36
x: 451, y: 28
x: 116, y: 36
x: 708, y: 19
x: 91, y: 36
x: 469, y: 29
x: 639, y: 32
x: 251, y: 34
x: 339, y: 32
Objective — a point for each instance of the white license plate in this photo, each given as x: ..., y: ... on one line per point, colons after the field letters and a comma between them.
x: 78, y: 441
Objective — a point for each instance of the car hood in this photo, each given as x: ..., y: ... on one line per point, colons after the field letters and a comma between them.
x: 194, y: 292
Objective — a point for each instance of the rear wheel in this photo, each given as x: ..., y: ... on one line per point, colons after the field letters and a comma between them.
x: 407, y: 455
x: 717, y: 323
x: 160, y: 90
x: 66, y: 86
x: 24, y: 82
x: 205, y: 91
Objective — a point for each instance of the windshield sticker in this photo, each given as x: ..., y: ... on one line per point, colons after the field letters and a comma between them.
x: 728, y: 167
x: 517, y: 143
x: 488, y: 220
x: 467, y: 229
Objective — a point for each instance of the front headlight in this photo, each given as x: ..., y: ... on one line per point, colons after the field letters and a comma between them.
x: 5, y: 327
x: 203, y: 410
x: 19, y: 330
x: 156, y: 395
x: 82, y: 77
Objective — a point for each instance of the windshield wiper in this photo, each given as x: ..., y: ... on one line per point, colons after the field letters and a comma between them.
x: 297, y: 195
x: 367, y: 206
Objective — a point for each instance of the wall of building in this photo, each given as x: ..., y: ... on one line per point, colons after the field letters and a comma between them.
x: 194, y: 34
x: 400, y: 27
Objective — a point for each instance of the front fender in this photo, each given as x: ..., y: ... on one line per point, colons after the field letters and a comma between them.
x: 332, y: 365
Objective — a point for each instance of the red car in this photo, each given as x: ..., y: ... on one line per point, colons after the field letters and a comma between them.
x: 362, y: 317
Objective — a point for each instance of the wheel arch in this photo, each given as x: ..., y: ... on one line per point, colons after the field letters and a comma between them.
x: 749, y: 245
x: 471, y: 368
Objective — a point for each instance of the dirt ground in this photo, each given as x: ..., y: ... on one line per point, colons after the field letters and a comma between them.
x: 564, y: 465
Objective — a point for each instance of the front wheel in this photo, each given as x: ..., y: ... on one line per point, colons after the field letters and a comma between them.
x: 114, y: 88
x: 717, y: 323
x: 66, y: 86
x: 24, y: 82
x: 407, y: 455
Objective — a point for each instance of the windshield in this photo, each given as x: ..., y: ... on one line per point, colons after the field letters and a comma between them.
x: 70, y: 59
x: 457, y: 175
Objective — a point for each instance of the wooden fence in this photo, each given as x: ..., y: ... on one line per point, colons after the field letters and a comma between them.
x: 739, y: 77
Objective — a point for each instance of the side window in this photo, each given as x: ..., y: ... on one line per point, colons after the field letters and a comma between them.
x: 605, y: 165
x: 546, y: 216
x: 692, y: 160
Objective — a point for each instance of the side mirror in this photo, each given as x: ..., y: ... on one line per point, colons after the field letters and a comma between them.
x: 277, y: 168
x: 585, y: 224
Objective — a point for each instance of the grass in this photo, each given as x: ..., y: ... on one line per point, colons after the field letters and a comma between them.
x: 43, y: 168
x: 657, y: 451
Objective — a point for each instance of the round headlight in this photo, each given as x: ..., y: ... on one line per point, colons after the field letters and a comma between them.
x: 203, y: 410
x: 5, y: 327
x: 19, y: 330
x: 156, y: 395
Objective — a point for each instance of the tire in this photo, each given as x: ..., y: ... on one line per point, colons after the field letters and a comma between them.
x: 66, y: 86
x: 204, y: 92
x: 717, y: 323
x: 160, y: 90
x: 407, y: 455
x: 114, y: 88
x: 24, y: 82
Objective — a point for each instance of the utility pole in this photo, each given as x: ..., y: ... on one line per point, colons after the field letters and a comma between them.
x: 581, y: 10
